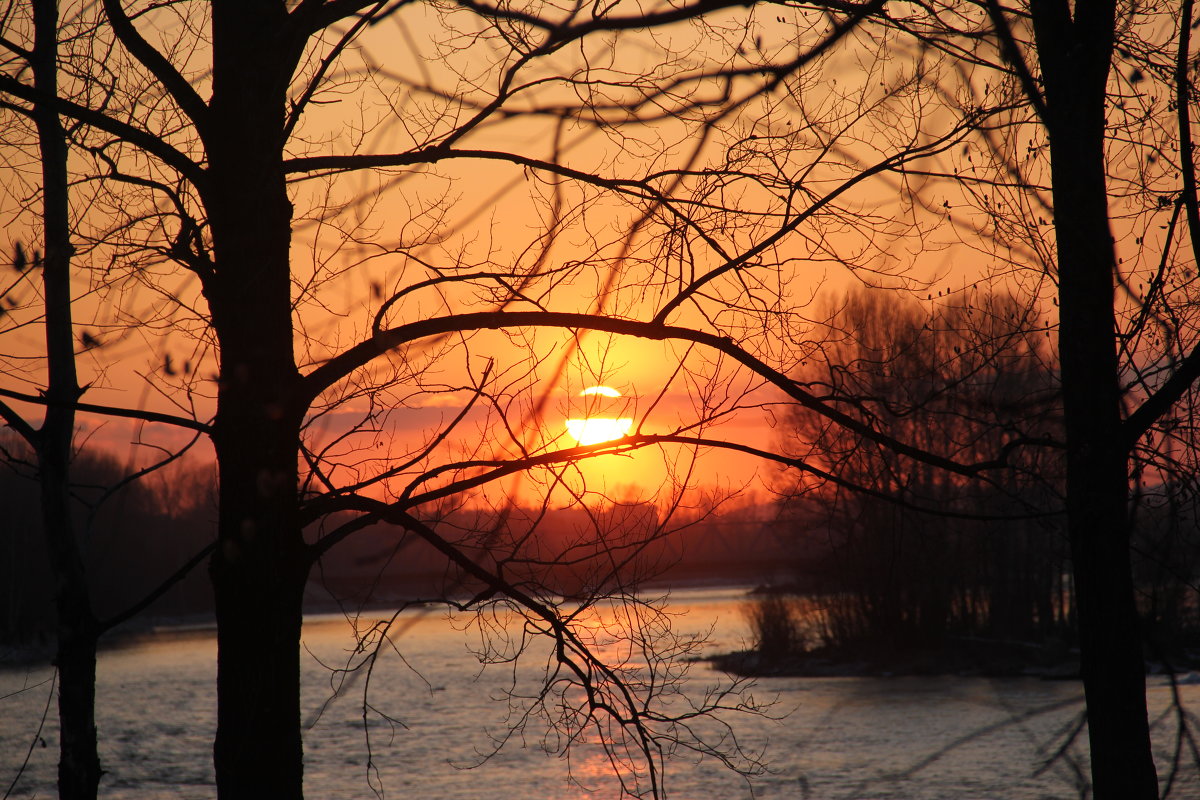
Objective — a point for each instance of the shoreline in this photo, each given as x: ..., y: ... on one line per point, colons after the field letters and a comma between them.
x: 962, y: 658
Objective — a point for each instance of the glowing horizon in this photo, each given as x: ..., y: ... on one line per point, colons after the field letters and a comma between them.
x: 598, y: 429
x: 603, y: 391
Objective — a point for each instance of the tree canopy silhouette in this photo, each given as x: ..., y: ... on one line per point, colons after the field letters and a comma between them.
x: 323, y: 217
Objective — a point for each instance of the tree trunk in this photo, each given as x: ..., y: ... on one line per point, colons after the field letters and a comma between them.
x: 77, y: 631
x: 261, y: 565
x: 258, y: 751
x: 258, y: 572
x: 78, y: 761
x: 1075, y: 55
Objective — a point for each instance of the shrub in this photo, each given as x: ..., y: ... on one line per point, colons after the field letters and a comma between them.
x: 776, y: 625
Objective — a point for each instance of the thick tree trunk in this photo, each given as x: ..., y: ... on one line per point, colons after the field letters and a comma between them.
x: 259, y: 587
x: 261, y: 565
x: 1075, y: 56
x: 1098, y: 485
x: 258, y: 572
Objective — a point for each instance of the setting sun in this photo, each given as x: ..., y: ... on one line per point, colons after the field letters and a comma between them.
x: 598, y: 422
x: 600, y: 391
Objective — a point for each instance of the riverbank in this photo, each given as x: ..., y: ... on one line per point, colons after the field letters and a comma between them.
x: 973, y: 657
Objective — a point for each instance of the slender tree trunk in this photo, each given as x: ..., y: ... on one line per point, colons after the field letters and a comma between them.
x: 1075, y: 55
x: 78, y: 762
x: 77, y: 631
x: 261, y: 565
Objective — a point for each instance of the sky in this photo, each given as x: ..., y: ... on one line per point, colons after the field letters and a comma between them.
x: 359, y: 238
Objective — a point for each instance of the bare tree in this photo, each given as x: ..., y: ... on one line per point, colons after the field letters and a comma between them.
x: 210, y: 146
x: 910, y: 554
x: 1089, y: 183
x: 77, y: 626
x: 287, y: 196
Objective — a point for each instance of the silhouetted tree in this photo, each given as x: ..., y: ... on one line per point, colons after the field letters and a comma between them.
x: 208, y: 137
x: 1090, y: 182
x: 47, y: 449
x: 77, y: 629
x: 910, y: 555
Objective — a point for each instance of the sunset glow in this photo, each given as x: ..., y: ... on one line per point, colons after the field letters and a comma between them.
x: 598, y: 424
x: 602, y: 391
x: 599, y: 429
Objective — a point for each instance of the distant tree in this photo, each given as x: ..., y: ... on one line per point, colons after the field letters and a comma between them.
x: 1166, y: 541
x: 910, y: 555
x: 131, y: 537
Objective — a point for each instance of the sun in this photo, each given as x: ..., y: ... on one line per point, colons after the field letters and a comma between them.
x: 599, y: 422
x: 598, y: 429
x: 600, y: 391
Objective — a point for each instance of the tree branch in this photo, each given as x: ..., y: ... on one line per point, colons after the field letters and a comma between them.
x: 137, y: 137
x: 567, y: 31
x: 189, y: 101
x: 111, y: 411
x: 359, y: 355
x: 890, y: 163
x: 1188, y: 372
x: 159, y: 591
x: 1011, y: 53
x: 18, y: 423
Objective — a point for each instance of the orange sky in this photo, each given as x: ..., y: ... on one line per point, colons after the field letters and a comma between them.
x: 483, y: 215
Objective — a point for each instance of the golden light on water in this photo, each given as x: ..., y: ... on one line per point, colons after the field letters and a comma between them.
x: 595, y: 426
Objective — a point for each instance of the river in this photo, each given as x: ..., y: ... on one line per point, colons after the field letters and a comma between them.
x: 823, y: 738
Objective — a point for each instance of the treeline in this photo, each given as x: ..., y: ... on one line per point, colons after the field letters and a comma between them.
x: 134, y: 535
x: 901, y: 554
x: 897, y: 577
x: 571, y: 552
x: 878, y: 575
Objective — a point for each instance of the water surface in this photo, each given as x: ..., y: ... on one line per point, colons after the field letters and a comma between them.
x: 826, y: 738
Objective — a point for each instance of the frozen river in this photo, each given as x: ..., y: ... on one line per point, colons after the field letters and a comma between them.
x: 853, y: 738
